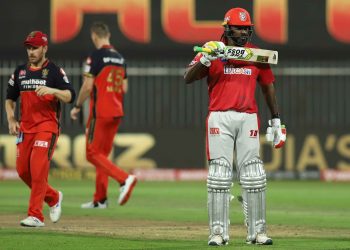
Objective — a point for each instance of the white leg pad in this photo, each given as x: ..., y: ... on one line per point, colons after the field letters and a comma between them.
x: 253, y: 182
x: 219, y: 183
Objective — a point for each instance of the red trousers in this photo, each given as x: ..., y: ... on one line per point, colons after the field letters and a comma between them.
x: 34, y: 153
x: 99, y: 142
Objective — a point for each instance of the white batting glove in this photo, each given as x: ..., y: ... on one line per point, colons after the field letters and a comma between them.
x: 217, y: 49
x: 276, y: 133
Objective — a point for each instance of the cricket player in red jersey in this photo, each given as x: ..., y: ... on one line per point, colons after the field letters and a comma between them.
x: 41, y: 86
x: 105, y: 80
x: 233, y: 127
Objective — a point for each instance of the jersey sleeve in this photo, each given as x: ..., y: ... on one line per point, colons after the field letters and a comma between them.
x: 265, y: 76
x: 90, y: 67
x: 13, y: 87
x: 62, y: 83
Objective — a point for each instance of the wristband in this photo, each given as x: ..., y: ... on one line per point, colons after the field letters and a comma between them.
x: 76, y: 106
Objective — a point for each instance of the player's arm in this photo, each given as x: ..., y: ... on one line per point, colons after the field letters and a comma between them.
x: 13, y: 93
x: 270, y: 98
x: 63, y: 95
x: 125, y: 86
x: 84, y: 93
x: 10, y: 107
x: 195, y: 72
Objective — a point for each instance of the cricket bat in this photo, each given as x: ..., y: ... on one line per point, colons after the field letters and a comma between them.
x: 244, y: 54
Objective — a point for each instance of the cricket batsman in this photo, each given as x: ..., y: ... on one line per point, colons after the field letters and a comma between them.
x: 41, y: 87
x: 232, y: 129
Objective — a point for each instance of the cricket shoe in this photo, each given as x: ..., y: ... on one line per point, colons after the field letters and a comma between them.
x: 32, y: 221
x: 126, y: 189
x: 95, y: 204
x: 56, y: 210
x: 217, y: 240
x: 261, y: 239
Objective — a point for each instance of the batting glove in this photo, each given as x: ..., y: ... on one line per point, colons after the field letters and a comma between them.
x: 217, y: 49
x: 276, y: 133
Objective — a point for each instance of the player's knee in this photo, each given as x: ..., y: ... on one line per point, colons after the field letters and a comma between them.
x: 252, y: 174
x: 219, y: 174
x: 90, y: 154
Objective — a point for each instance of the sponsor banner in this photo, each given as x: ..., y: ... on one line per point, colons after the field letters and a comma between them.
x: 171, y: 174
x: 335, y: 175
x: 180, y: 148
x: 8, y: 174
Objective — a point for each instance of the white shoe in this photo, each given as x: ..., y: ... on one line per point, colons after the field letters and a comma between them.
x: 126, y: 189
x: 56, y: 210
x: 261, y: 239
x: 217, y: 240
x: 92, y: 204
x: 32, y: 221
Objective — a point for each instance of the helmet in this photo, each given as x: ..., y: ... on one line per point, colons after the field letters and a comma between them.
x: 237, y: 17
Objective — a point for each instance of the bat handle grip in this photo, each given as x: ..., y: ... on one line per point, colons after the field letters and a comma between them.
x: 201, y: 49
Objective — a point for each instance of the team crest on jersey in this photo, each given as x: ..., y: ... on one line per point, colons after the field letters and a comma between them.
x: 231, y: 70
x: 45, y: 73
x: 242, y: 16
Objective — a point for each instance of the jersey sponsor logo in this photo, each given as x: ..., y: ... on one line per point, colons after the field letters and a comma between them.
x: 43, y: 144
x: 231, y: 70
x: 22, y: 73
x: 214, y: 131
x: 32, y: 83
x: 113, y: 60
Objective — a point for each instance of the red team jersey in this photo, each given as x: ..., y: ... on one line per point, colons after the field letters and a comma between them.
x: 109, y: 69
x: 232, y: 83
x: 38, y: 114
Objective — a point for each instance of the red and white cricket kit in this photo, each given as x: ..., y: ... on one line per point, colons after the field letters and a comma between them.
x: 232, y: 118
x: 39, y: 129
x: 108, y: 68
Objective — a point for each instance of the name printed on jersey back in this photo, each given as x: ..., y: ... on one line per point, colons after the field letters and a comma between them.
x: 113, y: 60
x: 231, y: 70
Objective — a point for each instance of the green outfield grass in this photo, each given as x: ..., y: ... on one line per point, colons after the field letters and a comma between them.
x: 173, y: 215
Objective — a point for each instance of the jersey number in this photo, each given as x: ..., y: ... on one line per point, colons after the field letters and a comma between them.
x: 115, y: 80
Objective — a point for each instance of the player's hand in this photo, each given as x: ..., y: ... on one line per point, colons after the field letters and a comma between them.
x: 217, y: 49
x: 74, y: 113
x: 43, y: 90
x: 13, y: 127
x: 276, y: 133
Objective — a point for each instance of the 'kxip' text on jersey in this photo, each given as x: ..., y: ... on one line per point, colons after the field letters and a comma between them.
x: 232, y: 83
x: 109, y: 69
x: 38, y: 113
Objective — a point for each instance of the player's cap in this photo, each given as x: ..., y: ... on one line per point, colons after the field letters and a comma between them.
x: 237, y: 17
x: 36, y: 39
